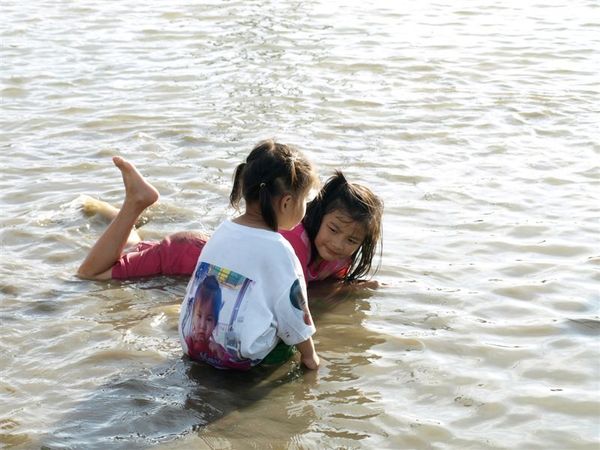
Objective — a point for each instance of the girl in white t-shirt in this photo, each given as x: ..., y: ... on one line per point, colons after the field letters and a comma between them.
x: 252, y: 270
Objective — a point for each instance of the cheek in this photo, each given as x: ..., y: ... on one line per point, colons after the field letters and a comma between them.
x: 319, y: 238
x: 351, y: 249
x: 324, y: 241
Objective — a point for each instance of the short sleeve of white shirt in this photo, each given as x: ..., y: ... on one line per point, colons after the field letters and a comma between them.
x: 292, y: 315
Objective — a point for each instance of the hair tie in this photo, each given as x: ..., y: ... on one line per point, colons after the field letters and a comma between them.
x: 262, y: 185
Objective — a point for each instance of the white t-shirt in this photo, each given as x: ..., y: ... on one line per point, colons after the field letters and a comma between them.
x: 246, y: 293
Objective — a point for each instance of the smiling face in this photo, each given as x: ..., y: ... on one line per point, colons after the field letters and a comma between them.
x: 339, y: 236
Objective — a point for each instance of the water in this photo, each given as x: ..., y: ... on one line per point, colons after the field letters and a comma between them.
x: 476, y: 122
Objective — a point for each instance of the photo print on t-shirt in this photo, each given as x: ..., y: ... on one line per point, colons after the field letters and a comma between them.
x: 211, y: 310
x: 299, y: 301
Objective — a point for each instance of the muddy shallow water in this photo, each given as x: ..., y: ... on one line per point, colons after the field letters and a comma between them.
x: 476, y: 123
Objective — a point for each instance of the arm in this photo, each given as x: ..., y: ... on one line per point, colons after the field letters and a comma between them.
x: 294, y: 323
x: 308, y: 354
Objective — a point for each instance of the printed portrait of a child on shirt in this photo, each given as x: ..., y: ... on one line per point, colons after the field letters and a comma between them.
x: 208, y: 325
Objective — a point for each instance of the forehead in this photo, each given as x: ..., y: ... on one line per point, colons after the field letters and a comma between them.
x: 346, y: 224
x: 203, y: 304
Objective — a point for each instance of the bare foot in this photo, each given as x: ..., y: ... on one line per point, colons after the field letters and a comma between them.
x: 138, y: 192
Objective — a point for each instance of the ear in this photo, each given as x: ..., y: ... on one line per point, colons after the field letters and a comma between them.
x: 285, y: 202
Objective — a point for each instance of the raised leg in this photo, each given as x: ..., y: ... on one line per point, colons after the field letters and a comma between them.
x: 139, y: 194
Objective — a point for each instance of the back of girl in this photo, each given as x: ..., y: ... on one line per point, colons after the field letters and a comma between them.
x: 340, y: 233
x: 248, y: 291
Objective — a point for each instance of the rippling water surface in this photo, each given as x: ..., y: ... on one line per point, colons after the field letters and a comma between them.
x: 476, y: 122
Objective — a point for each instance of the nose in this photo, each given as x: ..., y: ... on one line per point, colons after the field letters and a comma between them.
x: 202, y: 325
x: 337, y: 244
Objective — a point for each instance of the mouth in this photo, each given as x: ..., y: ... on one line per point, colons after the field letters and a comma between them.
x: 331, y: 253
x: 199, y: 336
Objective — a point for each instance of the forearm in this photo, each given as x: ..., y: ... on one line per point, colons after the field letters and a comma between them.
x: 308, y: 354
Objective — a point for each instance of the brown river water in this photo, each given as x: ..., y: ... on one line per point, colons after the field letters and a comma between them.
x: 475, y: 121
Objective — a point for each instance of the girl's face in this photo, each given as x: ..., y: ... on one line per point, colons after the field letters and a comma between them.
x: 203, y: 321
x: 339, y: 236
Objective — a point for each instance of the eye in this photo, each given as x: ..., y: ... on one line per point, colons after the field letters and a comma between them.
x: 333, y: 230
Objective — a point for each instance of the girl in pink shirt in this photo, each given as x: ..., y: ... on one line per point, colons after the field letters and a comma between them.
x: 337, y: 239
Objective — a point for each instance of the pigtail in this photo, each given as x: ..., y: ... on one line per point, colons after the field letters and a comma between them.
x: 236, y: 190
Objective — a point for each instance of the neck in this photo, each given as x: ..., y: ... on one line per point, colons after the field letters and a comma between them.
x: 253, y: 218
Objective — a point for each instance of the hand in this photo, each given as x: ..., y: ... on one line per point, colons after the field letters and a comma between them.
x: 308, y: 354
x: 369, y: 284
x: 311, y: 361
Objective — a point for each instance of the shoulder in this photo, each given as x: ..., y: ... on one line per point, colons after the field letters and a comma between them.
x: 230, y: 232
x: 283, y: 256
x: 284, y: 249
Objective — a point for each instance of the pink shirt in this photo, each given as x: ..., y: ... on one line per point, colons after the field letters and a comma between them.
x: 301, y: 244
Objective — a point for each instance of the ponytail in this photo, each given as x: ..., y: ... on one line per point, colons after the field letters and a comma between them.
x: 236, y: 190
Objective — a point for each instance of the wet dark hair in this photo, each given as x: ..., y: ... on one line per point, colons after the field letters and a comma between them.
x: 357, y: 202
x: 272, y: 169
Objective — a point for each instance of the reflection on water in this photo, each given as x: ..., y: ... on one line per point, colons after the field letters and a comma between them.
x: 159, y: 403
x: 180, y: 398
x: 476, y: 123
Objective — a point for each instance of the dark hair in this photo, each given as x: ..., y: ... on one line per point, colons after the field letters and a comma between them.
x: 271, y: 169
x: 359, y: 203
